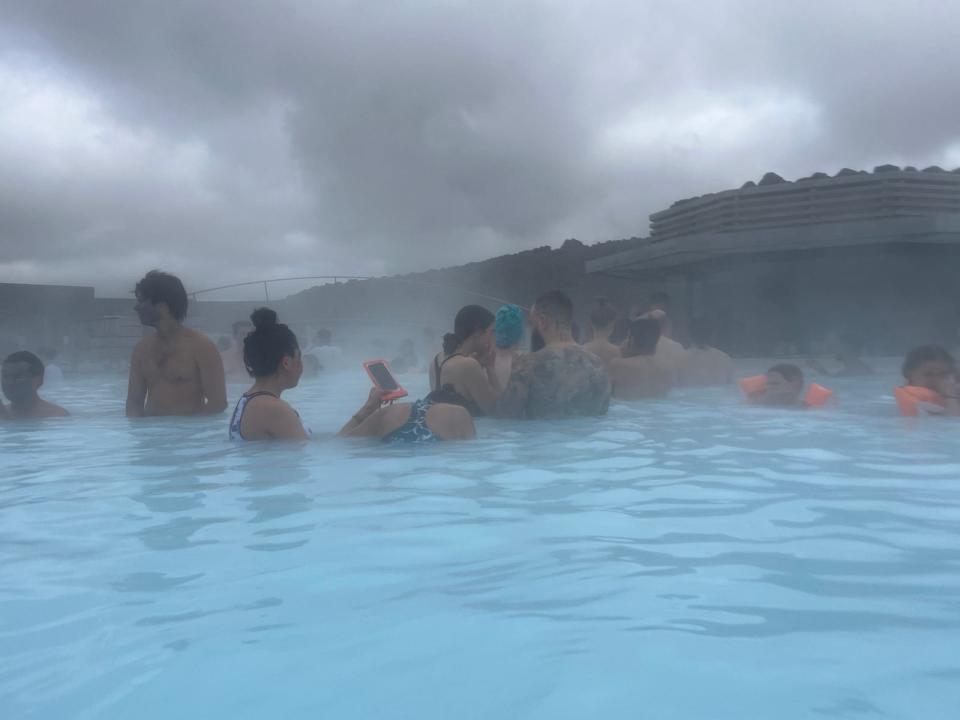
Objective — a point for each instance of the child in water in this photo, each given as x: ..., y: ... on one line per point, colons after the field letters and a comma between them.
x: 931, y: 375
x: 782, y: 386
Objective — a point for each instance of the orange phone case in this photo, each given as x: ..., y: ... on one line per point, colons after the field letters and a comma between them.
x: 394, y: 394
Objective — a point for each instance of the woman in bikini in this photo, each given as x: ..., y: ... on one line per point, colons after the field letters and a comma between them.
x: 467, y: 364
x: 271, y: 355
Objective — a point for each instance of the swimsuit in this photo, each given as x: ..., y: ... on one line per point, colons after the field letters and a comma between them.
x: 415, y: 429
x: 470, y: 405
x: 237, y: 418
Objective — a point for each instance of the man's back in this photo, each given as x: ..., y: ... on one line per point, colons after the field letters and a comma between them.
x: 706, y: 366
x: 557, y: 381
x: 182, y: 375
x: 640, y: 377
x: 603, y: 349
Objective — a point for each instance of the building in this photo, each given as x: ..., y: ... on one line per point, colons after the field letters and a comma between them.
x: 778, y: 265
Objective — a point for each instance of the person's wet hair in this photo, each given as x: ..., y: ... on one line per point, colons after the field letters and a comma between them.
x: 268, y: 344
x: 788, y: 371
x: 33, y: 363
x: 160, y: 287
x: 537, y: 342
x: 602, y: 314
x: 924, y: 354
x: 471, y: 319
x: 701, y: 332
x: 508, y: 327
x: 557, y: 307
x: 643, y: 337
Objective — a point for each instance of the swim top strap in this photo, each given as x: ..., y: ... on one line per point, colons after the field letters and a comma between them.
x: 440, y: 366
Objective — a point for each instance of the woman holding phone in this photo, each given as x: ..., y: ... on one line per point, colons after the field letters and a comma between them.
x: 439, y: 416
x: 271, y: 355
x: 466, y: 367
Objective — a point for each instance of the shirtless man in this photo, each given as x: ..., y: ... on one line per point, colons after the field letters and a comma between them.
x: 561, y: 379
x: 638, y: 374
x: 22, y: 376
x: 603, y: 317
x: 176, y: 370
x: 232, y: 357
x: 704, y: 365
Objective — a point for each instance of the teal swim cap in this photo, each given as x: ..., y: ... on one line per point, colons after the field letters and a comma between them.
x: 508, y: 328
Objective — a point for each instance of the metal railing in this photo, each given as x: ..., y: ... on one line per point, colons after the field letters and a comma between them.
x: 337, y: 278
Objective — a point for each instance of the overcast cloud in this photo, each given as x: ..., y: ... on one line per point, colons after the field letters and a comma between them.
x: 231, y: 141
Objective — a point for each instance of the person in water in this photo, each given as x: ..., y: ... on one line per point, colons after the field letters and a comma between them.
x: 175, y: 370
x: 783, y: 386
x: 466, y: 365
x: 638, y: 374
x: 439, y: 416
x: 603, y: 318
x: 22, y: 376
x: 561, y: 379
x: 507, y: 333
x: 271, y: 354
x: 232, y: 357
x: 847, y: 353
x: 932, y: 368
x: 329, y: 356
x: 704, y: 365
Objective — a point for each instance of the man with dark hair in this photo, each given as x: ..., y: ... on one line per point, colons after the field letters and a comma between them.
x: 561, y: 379
x: 176, y: 370
x: 21, y: 376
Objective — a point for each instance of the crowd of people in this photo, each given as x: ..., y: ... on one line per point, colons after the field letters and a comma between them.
x: 480, y: 370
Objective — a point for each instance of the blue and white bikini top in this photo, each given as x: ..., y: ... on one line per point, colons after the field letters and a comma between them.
x: 237, y: 418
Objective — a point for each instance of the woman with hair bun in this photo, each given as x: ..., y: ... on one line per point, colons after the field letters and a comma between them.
x: 271, y: 355
x: 466, y: 365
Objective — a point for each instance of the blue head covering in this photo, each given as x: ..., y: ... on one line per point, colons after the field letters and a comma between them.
x: 508, y: 328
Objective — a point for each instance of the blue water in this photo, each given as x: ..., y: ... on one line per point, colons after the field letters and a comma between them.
x: 690, y: 558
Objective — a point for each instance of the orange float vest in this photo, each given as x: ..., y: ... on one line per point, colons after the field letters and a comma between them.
x: 911, y: 397
x: 816, y: 396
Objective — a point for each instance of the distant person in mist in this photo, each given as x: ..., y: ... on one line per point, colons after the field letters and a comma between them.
x: 603, y: 319
x: 328, y: 355
x: 271, y: 355
x: 507, y: 334
x: 175, y: 370
x: 561, y: 379
x: 638, y: 374
x: 846, y: 351
x: 704, y: 365
x: 406, y: 358
x: 22, y: 375
x: 466, y: 365
x: 232, y: 357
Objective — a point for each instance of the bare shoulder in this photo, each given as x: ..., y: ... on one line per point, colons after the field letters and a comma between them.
x: 199, y: 341
x: 54, y: 410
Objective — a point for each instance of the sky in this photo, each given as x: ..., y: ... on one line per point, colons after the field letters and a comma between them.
x: 235, y: 141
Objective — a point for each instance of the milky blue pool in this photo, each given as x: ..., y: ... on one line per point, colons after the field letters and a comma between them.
x: 694, y: 558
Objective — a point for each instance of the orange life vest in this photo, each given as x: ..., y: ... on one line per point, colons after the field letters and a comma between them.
x: 910, y: 398
x: 753, y: 388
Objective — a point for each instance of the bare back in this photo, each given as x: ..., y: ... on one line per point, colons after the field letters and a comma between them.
x: 603, y: 349
x: 704, y: 367
x: 180, y: 375
x: 639, y: 377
